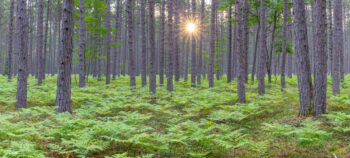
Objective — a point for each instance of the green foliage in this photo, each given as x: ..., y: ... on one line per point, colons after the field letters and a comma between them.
x: 112, y: 121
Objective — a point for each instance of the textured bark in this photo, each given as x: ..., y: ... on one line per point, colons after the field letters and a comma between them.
x: 82, y: 31
x: 22, y: 35
x: 201, y: 39
x: 10, y: 41
x: 241, y: 51
x: 117, y: 39
x: 63, y: 98
x: 284, y: 44
x: 169, y: 68
x: 108, y: 42
x: 176, y: 41
x: 132, y: 62
x: 262, y: 50
x: 330, y: 36
x: 246, y: 39
x: 161, y: 42
x: 229, y: 44
x: 255, y: 52
x: 43, y: 62
x: 39, y: 40
x: 212, y: 44
x: 302, y: 52
x: 152, y: 63
x: 320, y: 57
x: 143, y: 44
x: 337, y: 41
x: 194, y: 48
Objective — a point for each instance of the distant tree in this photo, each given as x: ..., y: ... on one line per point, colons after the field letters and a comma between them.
x: 284, y: 44
x: 22, y: 36
x: 169, y: 68
x: 161, y: 42
x: 152, y: 63
x: 132, y: 62
x: 194, y: 48
x: 229, y: 44
x: 63, y: 98
x: 10, y: 41
x: 337, y: 41
x: 39, y: 40
x: 212, y: 44
x: 176, y: 41
x: 108, y: 41
x: 143, y: 44
x: 82, y: 31
x: 43, y: 62
x: 201, y: 39
x: 262, y: 50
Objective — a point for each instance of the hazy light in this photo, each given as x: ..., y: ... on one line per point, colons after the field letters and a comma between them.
x: 191, y: 27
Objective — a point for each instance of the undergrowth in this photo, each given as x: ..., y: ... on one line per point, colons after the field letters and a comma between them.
x: 112, y: 121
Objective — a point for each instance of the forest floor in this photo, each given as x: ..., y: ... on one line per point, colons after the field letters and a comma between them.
x: 112, y: 121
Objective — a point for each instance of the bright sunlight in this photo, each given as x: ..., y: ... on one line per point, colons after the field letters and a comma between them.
x: 191, y: 27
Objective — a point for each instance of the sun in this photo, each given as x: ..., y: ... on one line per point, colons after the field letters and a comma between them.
x: 191, y: 27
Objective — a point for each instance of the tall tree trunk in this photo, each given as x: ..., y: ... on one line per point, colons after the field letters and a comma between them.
x: 229, y: 44
x: 22, y: 34
x: 63, y: 98
x: 201, y: 39
x: 161, y: 42
x: 330, y: 36
x: 43, y: 62
x: 246, y: 39
x: 302, y: 52
x: 132, y: 64
x: 194, y: 48
x: 337, y: 41
x: 241, y: 51
x: 284, y: 45
x: 10, y: 41
x: 143, y: 44
x: 152, y: 63
x: 39, y: 40
x: 170, y: 48
x: 108, y: 42
x: 212, y: 44
x: 320, y: 59
x: 82, y: 31
x: 262, y: 50
x: 176, y: 41
x: 117, y: 50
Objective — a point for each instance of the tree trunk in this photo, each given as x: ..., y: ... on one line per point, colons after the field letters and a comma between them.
x: 229, y: 44
x: 143, y: 44
x: 246, y: 39
x: 132, y: 64
x: 10, y: 41
x: 152, y: 63
x: 63, y: 99
x: 302, y: 52
x: 161, y: 43
x: 108, y: 42
x: 170, y: 48
x: 43, y: 62
x: 81, y: 44
x: 193, y: 52
x: 39, y: 41
x: 201, y: 39
x: 337, y: 41
x: 320, y: 58
x: 22, y: 34
x: 176, y: 41
x: 284, y: 45
x: 241, y: 51
x: 262, y: 50
x: 212, y: 44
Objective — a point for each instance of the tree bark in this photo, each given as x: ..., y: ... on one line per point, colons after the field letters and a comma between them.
x: 82, y: 31
x: 63, y: 98
x: 39, y: 40
x: 143, y: 44
x: 320, y: 57
x: 194, y: 48
x: 262, y: 50
x: 131, y: 64
x: 170, y: 48
x: 284, y: 45
x: 303, y: 61
x: 229, y: 44
x: 337, y: 41
x: 212, y: 44
x: 241, y: 51
x: 108, y: 42
x: 10, y: 41
x: 161, y: 43
x: 152, y: 63
x: 22, y: 34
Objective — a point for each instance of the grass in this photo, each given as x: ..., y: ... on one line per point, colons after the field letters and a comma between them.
x: 113, y: 121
